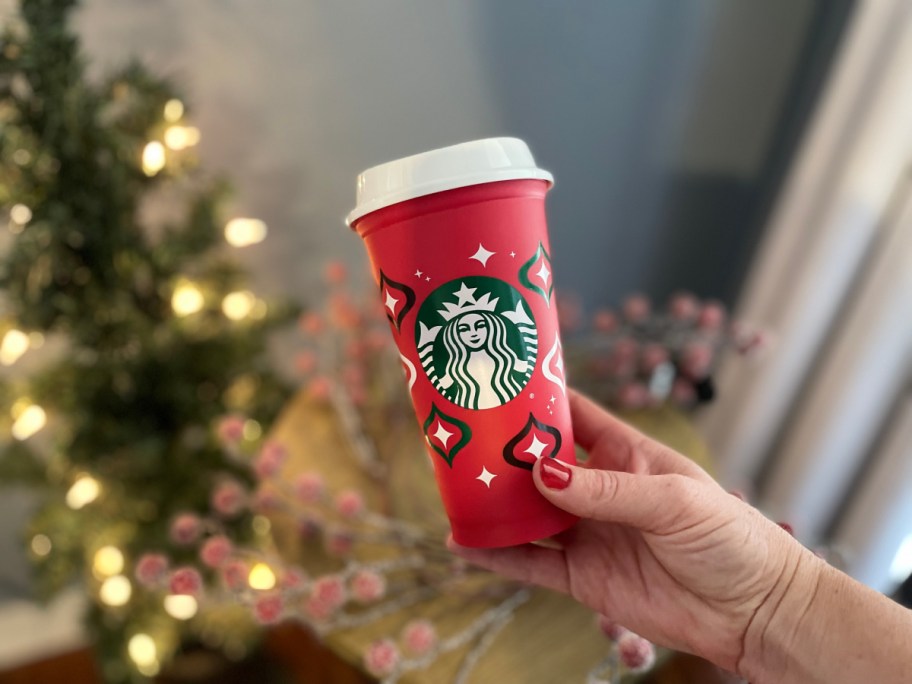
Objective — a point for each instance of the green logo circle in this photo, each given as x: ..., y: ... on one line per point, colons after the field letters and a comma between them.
x: 477, y: 341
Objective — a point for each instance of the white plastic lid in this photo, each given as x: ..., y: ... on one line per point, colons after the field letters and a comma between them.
x: 470, y: 163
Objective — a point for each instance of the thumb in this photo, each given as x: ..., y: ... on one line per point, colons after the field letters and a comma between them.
x: 648, y: 502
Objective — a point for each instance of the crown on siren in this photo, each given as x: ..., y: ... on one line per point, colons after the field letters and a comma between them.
x: 467, y: 302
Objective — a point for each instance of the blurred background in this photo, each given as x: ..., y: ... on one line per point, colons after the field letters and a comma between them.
x: 755, y: 153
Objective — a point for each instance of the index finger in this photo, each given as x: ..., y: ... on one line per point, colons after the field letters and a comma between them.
x: 614, y: 444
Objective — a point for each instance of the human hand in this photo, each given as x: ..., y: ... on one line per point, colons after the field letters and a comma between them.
x: 662, y: 549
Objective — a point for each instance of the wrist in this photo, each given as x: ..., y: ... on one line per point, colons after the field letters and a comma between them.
x: 780, y: 641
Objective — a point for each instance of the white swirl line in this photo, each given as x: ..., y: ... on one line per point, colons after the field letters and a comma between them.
x: 546, y: 366
x: 412, y: 372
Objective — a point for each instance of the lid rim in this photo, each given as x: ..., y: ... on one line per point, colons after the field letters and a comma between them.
x: 448, y: 184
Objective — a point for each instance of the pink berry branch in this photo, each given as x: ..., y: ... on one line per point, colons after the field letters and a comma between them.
x: 642, y: 357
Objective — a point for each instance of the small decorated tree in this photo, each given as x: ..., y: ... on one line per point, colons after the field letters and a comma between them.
x: 116, y: 264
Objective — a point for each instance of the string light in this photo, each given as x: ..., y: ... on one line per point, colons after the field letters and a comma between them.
x: 252, y: 430
x: 261, y: 524
x: 41, y: 545
x: 83, y: 492
x: 243, y: 232
x: 261, y: 577
x: 174, y: 110
x: 15, y: 344
x: 108, y: 561
x: 20, y: 214
x: 181, y: 606
x: 237, y: 305
x: 181, y: 137
x: 30, y: 421
x: 153, y: 158
x: 187, y: 299
x: 115, y: 591
x: 142, y: 650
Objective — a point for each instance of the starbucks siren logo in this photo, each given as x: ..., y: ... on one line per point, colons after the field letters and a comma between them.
x: 477, y: 341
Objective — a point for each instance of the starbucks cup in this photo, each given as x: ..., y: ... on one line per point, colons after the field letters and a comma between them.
x: 459, y: 248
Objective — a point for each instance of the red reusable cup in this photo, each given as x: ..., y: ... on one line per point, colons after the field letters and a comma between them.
x: 459, y: 248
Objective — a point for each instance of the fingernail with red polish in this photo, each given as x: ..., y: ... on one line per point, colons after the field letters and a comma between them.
x: 554, y: 474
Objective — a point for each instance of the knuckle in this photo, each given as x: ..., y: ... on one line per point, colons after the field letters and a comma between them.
x: 602, y: 491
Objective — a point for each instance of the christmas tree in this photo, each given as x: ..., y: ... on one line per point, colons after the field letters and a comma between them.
x: 117, y: 264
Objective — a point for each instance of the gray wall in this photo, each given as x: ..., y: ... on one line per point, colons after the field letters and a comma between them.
x: 630, y: 104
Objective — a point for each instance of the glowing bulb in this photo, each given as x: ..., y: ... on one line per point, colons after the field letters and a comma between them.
x: 83, y: 492
x: 15, y: 344
x: 181, y: 606
x: 115, y: 591
x: 41, y: 545
x: 187, y: 299
x: 261, y: 577
x: 181, y: 137
x: 174, y: 110
x: 252, y: 430
x: 30, y: 421
x: 108, y: 561
x: 153, y: 158
x: 238, y: 304
x: 20, y: 214
x: 243, y: 232
x: 142, y: 650
x: 261, y: 524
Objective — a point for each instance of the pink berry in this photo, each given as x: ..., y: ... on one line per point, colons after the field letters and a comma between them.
x: 610, y: 628
x: 696, y: 360
x: 335, y: 273
x: 234, y: 574
x: 317, y: 610
x: 306, y: 362
x: 270, y: 460
x: 419, y: 637
x: 293, y: 579
x: 636, y: 308
x: 216, y: 550
x: 267, y: 610
x: 683, y: 306
x: 350, y: 504
x: 319, y: 388
x: 310, y: 487
x: 339, y: 543
x: 330, y: 590
x: 151, y: 568
x: 367, y: 586
x: 311, y: 323
x: 381, y: 658
x: 683, y: 392
x: 186, y: 580
x: 186, y: 529
x: 712, y: 316
x: 637, y: 654
x: 342, y: 312
x: 652, y: 356
x: 230, y: 429
x: 266, y: 499
x: 633, y: 395
x: 228, y: 498
x: 605, y: 321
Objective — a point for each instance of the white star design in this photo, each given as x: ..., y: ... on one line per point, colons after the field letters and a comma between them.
x: 428, y: 278
x: 543, y: 273
x: 552, y: 399
x: 465, y: 294
x: 442, y: 434
x: 536, y: 448
x: 532, y: 395
x: 482, y: 255
x: 513, y: 255
x: 391, y: 302
x: 418, y: 273
x: 486, y: 477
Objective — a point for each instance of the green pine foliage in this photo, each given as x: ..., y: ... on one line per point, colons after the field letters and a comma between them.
x: 134, y: 390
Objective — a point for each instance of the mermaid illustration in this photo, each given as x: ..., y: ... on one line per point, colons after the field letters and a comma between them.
x: 478, y: 363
